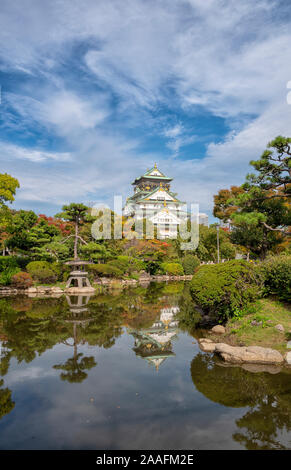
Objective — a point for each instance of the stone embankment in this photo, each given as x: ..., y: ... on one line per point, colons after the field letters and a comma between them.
x: 47, y: 291
x: 55, y: 291
x: 244, y: 354
x: 144, y: 279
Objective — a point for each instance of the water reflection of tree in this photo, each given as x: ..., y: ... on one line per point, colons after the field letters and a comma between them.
x: 189, y: 317
x: 267, y: 396
x: 30, y: 332
x: 31, y: 326
x: 74, y: 368
x: 46, y: 324
x: 6, y: 403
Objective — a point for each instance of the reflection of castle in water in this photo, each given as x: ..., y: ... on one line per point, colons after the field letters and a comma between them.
x: 155, y: 343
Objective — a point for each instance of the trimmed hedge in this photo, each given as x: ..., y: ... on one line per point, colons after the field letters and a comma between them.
x: 105, y: 270
x: 221, y: 289
x: 42, y: 271
x: 175, y: 269
x: 276, y: 271
x: 190, y: 263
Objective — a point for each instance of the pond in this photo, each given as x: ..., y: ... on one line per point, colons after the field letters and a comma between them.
x: 123, y: 370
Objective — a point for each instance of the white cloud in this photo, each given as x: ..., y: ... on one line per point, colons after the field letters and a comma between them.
x: 228, y: 58
x: 227, y: 163
x: 63, y: 110
x: 11, y: 152
x: 69, y: 112
x: 177, y: 138
x: 174, y: 131
x: 29, y: 373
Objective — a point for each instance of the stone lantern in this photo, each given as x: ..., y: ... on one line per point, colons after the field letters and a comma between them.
x: 78, y: 279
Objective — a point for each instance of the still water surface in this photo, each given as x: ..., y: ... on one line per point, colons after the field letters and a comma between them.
x: 118, y: 371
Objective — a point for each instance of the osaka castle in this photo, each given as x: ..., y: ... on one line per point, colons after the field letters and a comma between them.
x: 153, y: 199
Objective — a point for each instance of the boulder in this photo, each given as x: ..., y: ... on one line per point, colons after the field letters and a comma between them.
x: 205, y: 340
x: 218, y: 329
x: 31, y: 290
x: 288, y: 357
x: 280, y: 327
x: 56, y: 290
x: 206, y: 345
x: 250, y: 354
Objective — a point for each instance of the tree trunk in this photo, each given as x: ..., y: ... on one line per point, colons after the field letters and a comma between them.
x: 76, y: 241
x: 75, y: 342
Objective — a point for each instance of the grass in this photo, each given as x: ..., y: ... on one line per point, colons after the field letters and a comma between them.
x: 269, y: 312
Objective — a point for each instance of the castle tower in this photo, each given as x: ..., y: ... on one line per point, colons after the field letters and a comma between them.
x: 154, y: 200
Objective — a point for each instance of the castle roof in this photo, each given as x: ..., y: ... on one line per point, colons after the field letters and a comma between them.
x: 154, y: 174
x: 142, y: 196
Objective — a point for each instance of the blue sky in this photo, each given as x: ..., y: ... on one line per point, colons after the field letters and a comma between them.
x: 95, y: 92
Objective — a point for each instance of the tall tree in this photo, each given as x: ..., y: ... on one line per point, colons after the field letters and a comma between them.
x: 260, y: 211
x: 8, y: 186
x: 78, y: 214
x: 223, y: 209
x: 274, y: 169
x: 19, y: 227
x: 266, y: 199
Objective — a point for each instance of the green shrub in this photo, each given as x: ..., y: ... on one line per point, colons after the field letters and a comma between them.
x: 127, y: 264
x: 122, y: 266
x: 7, y: 262
x: 223, y: 288
x: 105, y: 270
x: 21, y: 280
x: 8, y: 267
x: 276, y: 271
x: 190, y: 263
x: 42, y: 271
x: 61, y: 270
x: 174, y: 269
x: 6, y: 275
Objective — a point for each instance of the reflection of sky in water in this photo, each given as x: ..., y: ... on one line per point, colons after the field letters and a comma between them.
x: 124, y: 403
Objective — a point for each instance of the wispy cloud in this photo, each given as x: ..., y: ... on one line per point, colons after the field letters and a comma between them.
x: 178, y: 137
x: 10, y: 152
x: 113, y: 86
